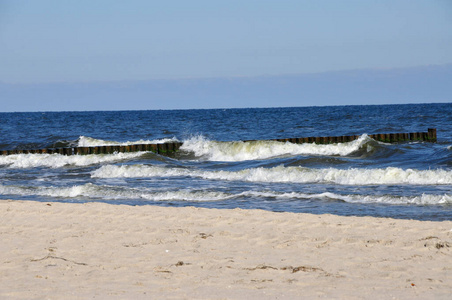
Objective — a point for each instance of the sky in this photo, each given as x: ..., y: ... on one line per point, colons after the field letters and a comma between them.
x: 100, y: 41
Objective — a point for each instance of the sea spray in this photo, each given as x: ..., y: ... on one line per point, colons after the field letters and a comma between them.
x: 258, y: 150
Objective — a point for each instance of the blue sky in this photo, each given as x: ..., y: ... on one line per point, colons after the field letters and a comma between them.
x: 89, y: 41
x: 49, y: 41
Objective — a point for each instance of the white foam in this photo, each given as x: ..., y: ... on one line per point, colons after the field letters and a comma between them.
x: 21, y: 161
x: 255, y: 150
x: 281, y: 174
x: 85, y: 141
x: 424, y: 199
x: 136, y: 171
x: 114, y: 193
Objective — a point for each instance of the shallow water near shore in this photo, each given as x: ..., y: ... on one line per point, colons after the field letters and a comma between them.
x: 215, y: 169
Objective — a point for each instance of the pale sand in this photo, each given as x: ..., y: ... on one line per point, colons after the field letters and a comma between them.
x: 101, y: 251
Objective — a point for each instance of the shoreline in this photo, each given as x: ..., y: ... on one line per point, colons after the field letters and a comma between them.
x: 70, y: 250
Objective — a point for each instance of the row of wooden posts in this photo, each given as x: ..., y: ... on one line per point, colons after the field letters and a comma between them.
x: 172, y: 147
x: 429, y: 136
x: 164, y: 148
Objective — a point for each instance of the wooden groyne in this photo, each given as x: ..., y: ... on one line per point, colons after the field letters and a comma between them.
x: 164, y: 149
x: 173, y: 147
x: 429, y: 136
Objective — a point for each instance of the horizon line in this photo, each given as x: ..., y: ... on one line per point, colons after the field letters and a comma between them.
x: 382, y: 69
x: 222, y: 108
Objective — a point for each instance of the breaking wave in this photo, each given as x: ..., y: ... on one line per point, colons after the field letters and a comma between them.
x: 256, y: 150
x: 281, y: 174
x: 22, y: 161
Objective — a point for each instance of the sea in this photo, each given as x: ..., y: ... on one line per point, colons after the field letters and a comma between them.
x: 216, y: 169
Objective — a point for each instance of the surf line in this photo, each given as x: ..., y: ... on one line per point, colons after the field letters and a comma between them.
x: 170, y: 148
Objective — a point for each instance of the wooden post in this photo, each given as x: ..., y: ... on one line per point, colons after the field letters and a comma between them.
x: 161, y: 148
x: 420, y: 136
x: 67, y: 151
x: 178, y: 145
x: 425, y: 136
x: 154, y: 148
x: 114, y: 149
x: 392, y: 138
x: 432, y: 134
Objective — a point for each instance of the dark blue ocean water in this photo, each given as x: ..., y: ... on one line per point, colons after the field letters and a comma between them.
x: 215, y: 169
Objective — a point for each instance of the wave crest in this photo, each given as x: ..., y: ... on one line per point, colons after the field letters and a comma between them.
x: 257, y: 150
x: 85, y: 141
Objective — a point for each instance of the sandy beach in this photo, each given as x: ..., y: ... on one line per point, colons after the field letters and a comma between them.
x: 101, y: 251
